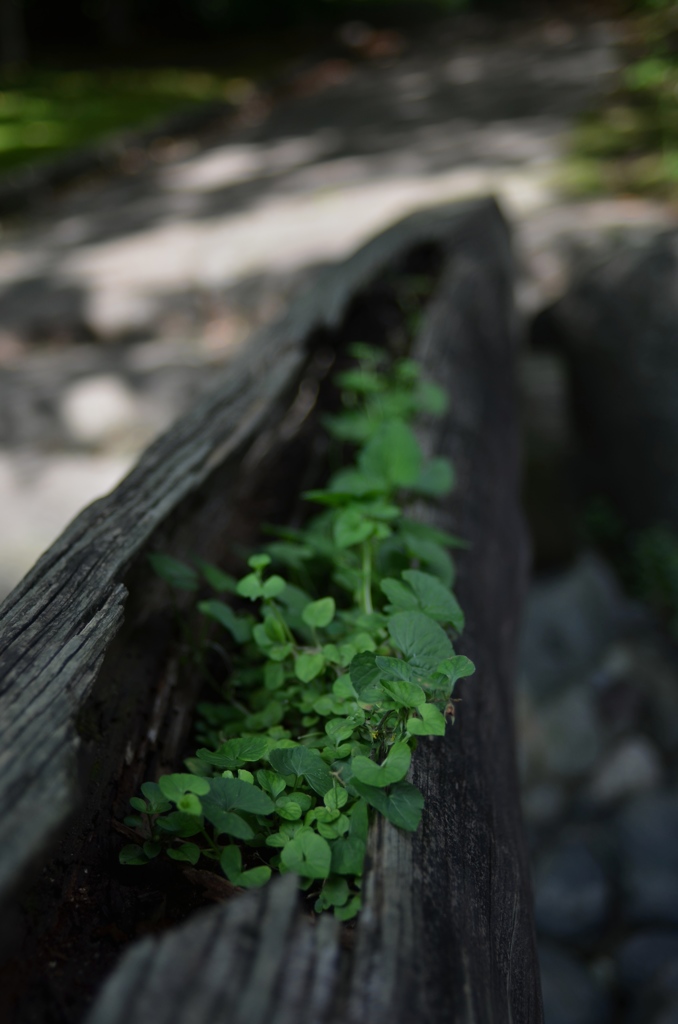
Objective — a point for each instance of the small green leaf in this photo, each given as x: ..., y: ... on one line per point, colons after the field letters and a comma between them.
x: 423, y: 642
x: 303, y: 761
x: 288, y: 808
x: 273, y: 587
x: 335, y: 798
x: 350, y: 910
x: 173, y: 787
x: 274, y: 675
x: 308, y: 854
x: 189, y: 804
x: 236, y: 794
x: 435, y: 479
x: 275, y: 630
x: 348, y: 856
x: 399, y: 595
x: 231, y: 863
x: 393, y: 768
x: 431, y: 723
x: 396, y: 668
x: 432, y: 554
x: 176, y: 573
x: 359, y: 821
x: 250, y: 586
x: 392, y: 452
x: 308, y: 666
x: 406, y: 695
x: 220, y: 581
x: 179, y: 824
x: 138, y: 804
x: 456, y: 668
x: 362, y: 381
x: 333, y: 829
x: 132, y: 854
x: 239, y: 628
x: 255, y: 877
x: 434, y: 598
x: 343, y: 688
x: 186, y: 852
x: 431, y: 398
x: 277, y: 840
x: 402, y: 804
x: 365, y: 677
x: 335, y: 893
x: 338, y: 730
x: 236, y: 752
x: 258, y: 562
x: 279, y: 652
x: 351, y: 528
x: 271, y: 782
x: 319, y: 613
x: 228, y: 823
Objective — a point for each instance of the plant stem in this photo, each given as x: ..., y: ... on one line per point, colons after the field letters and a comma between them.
x: 367, y: 577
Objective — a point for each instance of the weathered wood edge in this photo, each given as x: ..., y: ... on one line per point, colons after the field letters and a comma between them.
x: 57, y: 625
x: 446, y: 933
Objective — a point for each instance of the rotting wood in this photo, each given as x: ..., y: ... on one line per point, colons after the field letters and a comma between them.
x: 58, y: 624
x: 446, y: 933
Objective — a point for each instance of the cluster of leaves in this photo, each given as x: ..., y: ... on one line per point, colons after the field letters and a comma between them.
x: 631, y: 143
x: 328, y: 694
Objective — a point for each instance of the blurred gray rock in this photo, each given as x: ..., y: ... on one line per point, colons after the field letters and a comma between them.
x: 571, y: 893
x: 95, y: 409
x: 571, y: 994
x: 561, y: 740
x: 618, y: 327
x: 568, y: 623
x: 543, y: 804
x: 647, y: 831
x: 634, y: 766
x: 644, y: 955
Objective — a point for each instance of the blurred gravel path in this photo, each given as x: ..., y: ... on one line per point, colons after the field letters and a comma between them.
x: 117, y: 298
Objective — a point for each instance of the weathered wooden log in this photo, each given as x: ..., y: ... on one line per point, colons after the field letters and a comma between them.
x: 446, y: 932
x: 617, y: 328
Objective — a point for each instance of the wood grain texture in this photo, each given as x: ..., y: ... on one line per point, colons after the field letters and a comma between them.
x: 59, y: 623
x: 446, y: 933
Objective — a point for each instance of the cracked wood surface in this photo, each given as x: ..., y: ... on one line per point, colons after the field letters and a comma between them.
x: 446, y: 932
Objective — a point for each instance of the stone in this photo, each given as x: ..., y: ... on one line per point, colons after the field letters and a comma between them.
x: 571, y: 892
x: 569, y: 621
x: 571, y: 994
x: 543, y: 804
x: 618, y: 327
x: 644, y: 955
x: 632, y: 767
x: 559, y: 741
x: 647, y: 833
x: 668, y: 1014
x: 99, y: 408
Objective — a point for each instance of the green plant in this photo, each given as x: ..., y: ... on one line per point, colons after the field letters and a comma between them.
x: 345, y: 662
x: 631, y: 142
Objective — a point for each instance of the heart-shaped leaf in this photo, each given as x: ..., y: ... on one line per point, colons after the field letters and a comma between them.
x: 308, y: 854
x: 319, y: 613
x: 303, y: 761
x: 392, y: 769
x: 431, y: 722
x: 308, y: 666
x: 402, y: 804
x: 173, y: 787
x: 423, y: 642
